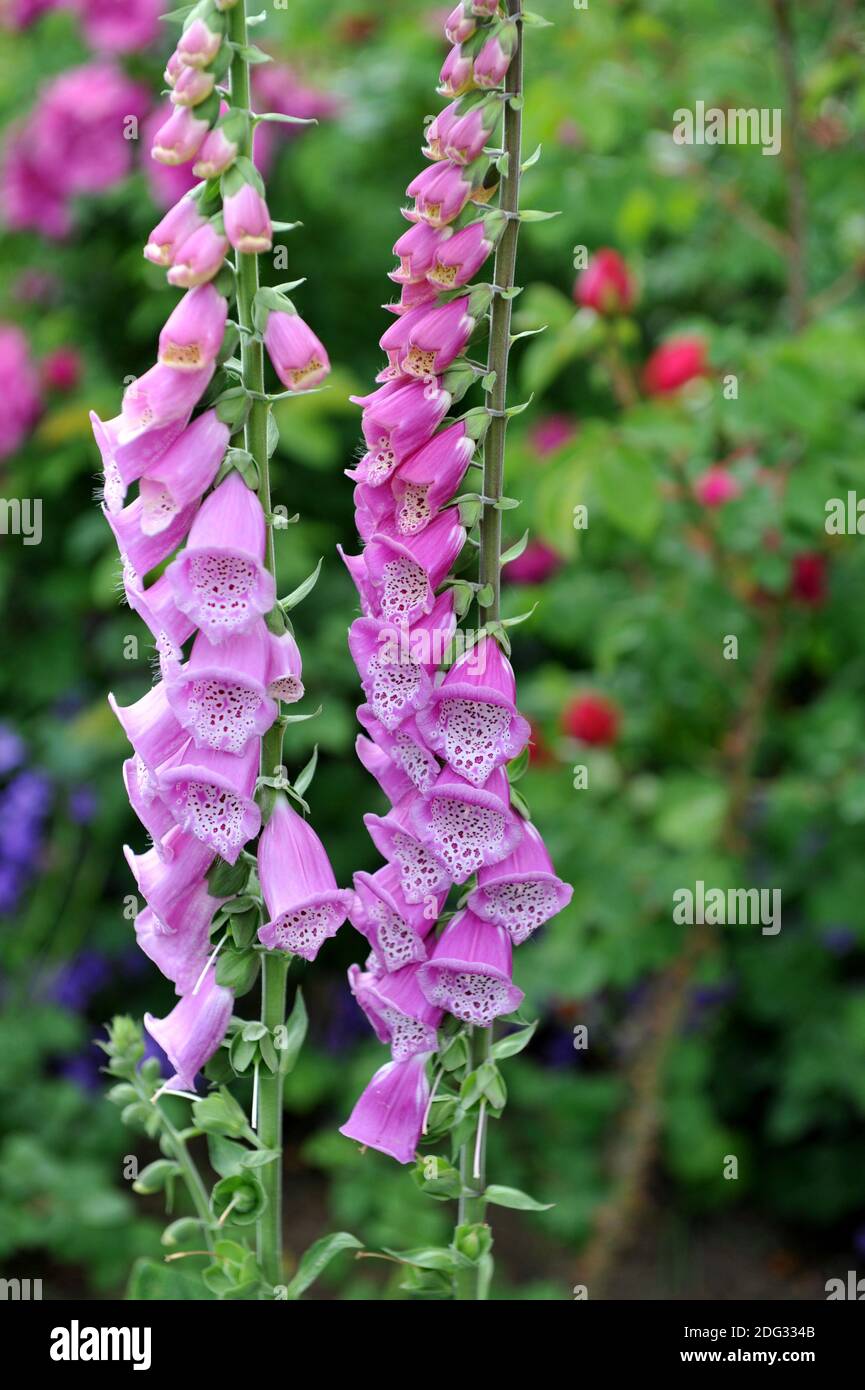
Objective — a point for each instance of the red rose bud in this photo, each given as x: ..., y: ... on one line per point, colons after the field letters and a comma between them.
x: 61, y: 370
x: 716, y: 486
x: 674, y: 364
x: 808, y: 578
x: 592, y: 719
x: 606, y: 284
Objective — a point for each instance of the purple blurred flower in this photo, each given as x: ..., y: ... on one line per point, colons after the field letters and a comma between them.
x: 19, y: 390
x: 78, y: 980
x: 538, y: 562
x: 83, y: 804
x: 11, y: 749
x: 167, y: 182
x: 838, y: 940
x: 276, y: 87
x: 119, y: 26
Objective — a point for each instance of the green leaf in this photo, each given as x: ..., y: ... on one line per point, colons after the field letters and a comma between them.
x: 220, y: 1114
x: 317, y: 1258
x: 251, y: 53
x: 512, y: 1197
x: 243, y: 1194
x: 518, y: 766
x: 628, y: 489
x: 514, y: 1042
x: 226, y: 1155
x: 306, y: 774
x: 299, y: 594
x: 278, y: 116
x: 237, y: 969
x: 425, y: 1257
x: 290, y: 1038
x: 536, y: 215
x: 224, y: 880
x: 516, y: 550
x: 533, y: 158
x: 152, y: 1282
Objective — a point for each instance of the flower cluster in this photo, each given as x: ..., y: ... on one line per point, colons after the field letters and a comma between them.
x: 437, y: 741
x: 194, y: 549
x: 19, y: 386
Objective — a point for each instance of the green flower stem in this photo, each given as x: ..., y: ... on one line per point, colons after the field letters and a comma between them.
x: 473, y: 1153
x: 274, y: 965
x: 180, y: 1153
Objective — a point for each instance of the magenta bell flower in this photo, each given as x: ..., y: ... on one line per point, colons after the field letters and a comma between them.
x: 469, y: 972
x: 406, y: 572
x: 416, y: 250
x: 429, y: 478
x: 284, y: 669
x: 396, y: 666
x: 397, y: 419
x: 465, y: 138
x: 199, y: 258
x: 176, y: 226
x: 247, y: 221
x: 154, y: 411
x: 440, y: 193
x: 423, y: 875
x: 390, y: 1112
x: 217, y: 154
x: 456, y: 74
x: 209, y: 794
x: 151, y: 726
x: 164, y: 879
x: 461, y: 256
x: 192, y: 86
x: 219, y: 579
x: 181, y: 955
x: 395, y: 338
x: 179, y: 139
x: 156, y: 608
x: 398, y: 1010
x: 374, y: 510
x: 219, y: 696
x: 466, y: 826
x: 404, y: 747
x: 394, y: 783
x: 193, y: 1030
x: 460, y: 24
x: 140, y: 548
x: 520, y: 892
x: 438, y: 130
x: 436, y: 338
x: 304, y: 903
x: 173, y: 68
x: 395, y: 929
x: 144, y: 798
x: 415, y: 296
x: 471, y: 718
x: 193, y: 331
x: 183, y: 474
x: 199, y: 44
x: 299, y: 358
x: 492, y: 63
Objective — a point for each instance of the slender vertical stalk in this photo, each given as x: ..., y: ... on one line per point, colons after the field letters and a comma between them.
x: 791, y: 153
x: 274, y: 965
x: 473, y: 1153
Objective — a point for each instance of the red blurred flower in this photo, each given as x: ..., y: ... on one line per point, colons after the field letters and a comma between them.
x: 537, y: 562
x: 716, y: 486
x: 808, y: 578
x: 61, y: 370
x: 606, y: 285
x: 540, y: 753
x: 592, y: 719
x: 551, y: 433
x: 673, y: 364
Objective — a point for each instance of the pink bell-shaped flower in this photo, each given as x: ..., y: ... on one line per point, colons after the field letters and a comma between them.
x: 433, y: 341
x: 423, y: 874
x: 390, y: 1112
x: 157, y: 609
x: 155, y: 410
x: 395, y: 928
x: 199, y: 43
x: 182, y: 475
x: 151, y: 726
x: 440, y: 193
x: 199, y: 258
x: 393, y: 783
x: 164, y: 879
x: 416, y: 250
x: 429, y: 478
x: 192, y: 1032
x: 247, y: 221
x: 299, y: 358
x: 181, y: 954
x: 398, y: 1010
x: 466, y: 826
x: 220, y: 579
x: 209, y: 794
x: 179, y: 138
x: 471, y: 718
x: 139, y: 545
x: 193, y: 331
x: 177, y: 225
x: 220, y: 695
x: 396, y: 421
x: 405, y: 573
x: 469, y: 972
x: 404, y: 747
x: 458, y: 259
x: 146, y: 801
x: 298, y: 884
x: 396, y: 664
x: 438, y: 130
x: 284, y: 668
x: 520, y: 892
